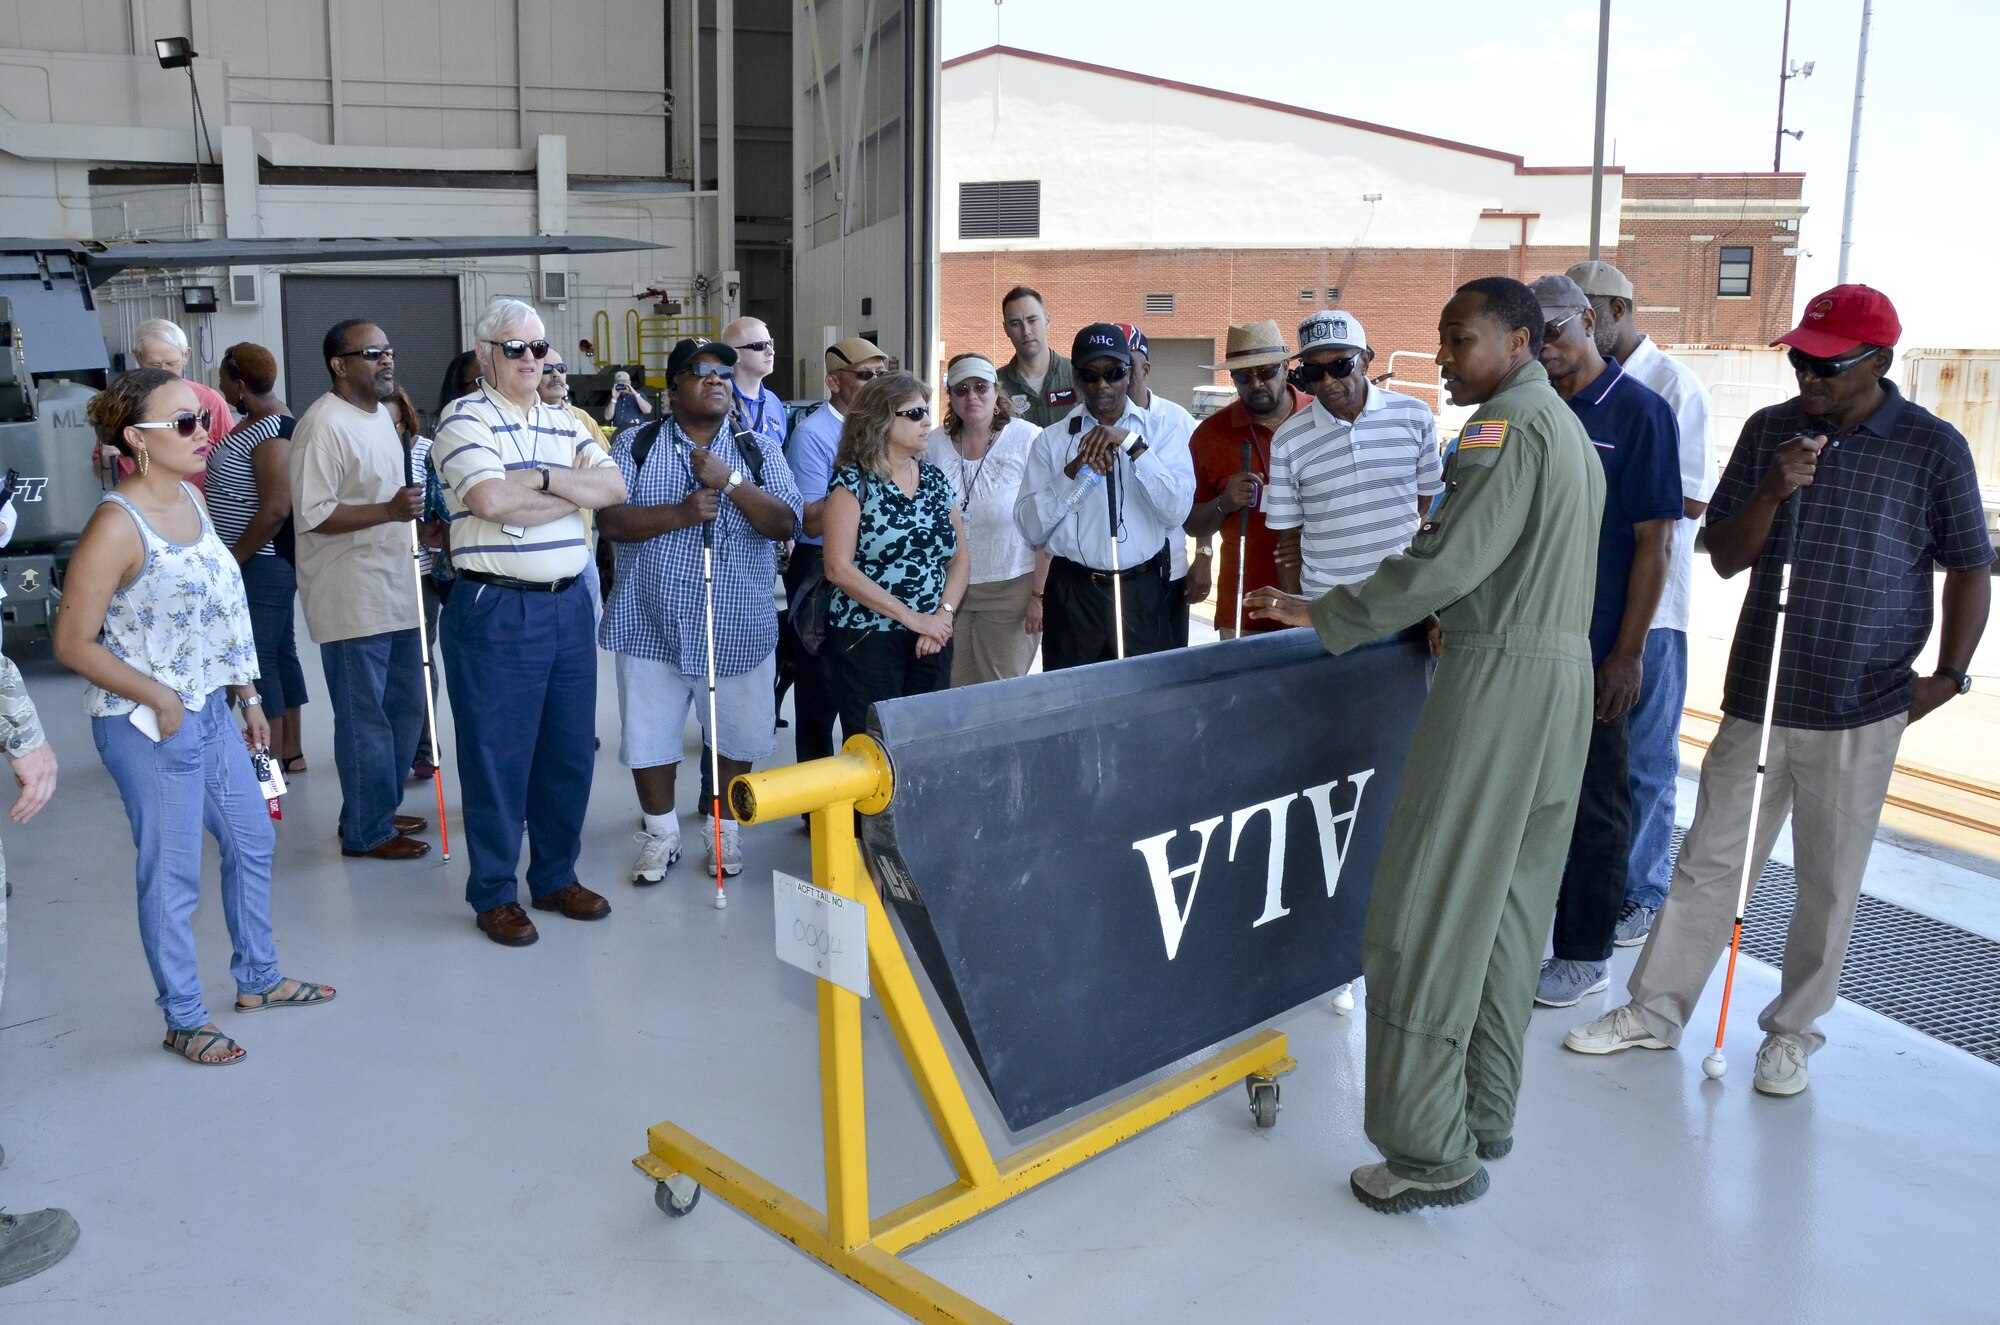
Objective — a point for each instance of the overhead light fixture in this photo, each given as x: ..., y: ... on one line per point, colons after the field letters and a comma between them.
x: 175, y: 52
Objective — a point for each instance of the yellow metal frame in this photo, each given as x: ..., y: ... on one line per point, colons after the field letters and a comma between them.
x: 844, y: 1236
x: 649, y: 341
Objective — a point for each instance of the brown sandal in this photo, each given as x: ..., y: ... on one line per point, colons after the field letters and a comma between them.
x: 195, y: 1043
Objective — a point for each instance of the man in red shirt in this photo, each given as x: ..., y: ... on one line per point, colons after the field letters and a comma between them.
x: 1224, y: 486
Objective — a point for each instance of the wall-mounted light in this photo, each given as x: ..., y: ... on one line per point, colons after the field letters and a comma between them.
x: 198, y: 298
x: 175, y: 52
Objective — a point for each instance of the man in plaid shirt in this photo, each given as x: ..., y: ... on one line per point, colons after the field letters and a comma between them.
x: 690, y: 475
x: 1876, y: 491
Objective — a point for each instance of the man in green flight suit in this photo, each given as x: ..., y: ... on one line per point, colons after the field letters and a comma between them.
x: 1466, y: 888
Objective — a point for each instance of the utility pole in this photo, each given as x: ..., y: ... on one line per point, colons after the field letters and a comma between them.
x: 1853, y: 142
x: 1597, y: 152
x: 1784, y: 77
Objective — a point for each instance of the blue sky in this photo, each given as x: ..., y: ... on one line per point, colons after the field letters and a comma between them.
x: 1693, y: 86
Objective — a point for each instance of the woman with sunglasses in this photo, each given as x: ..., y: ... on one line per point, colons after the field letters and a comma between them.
x: 154, y: 617
x: 983, y: 450
x: 895, y: 554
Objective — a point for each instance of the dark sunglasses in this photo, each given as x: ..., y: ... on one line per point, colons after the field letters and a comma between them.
x: 1824, y: 368
x: 371, y: 354
x: 184, y: 424
x: 1555, y: 328
x: 555, y: 369
x: 759, y: 345
x: 514, y: 349
x: 707, y: 368
x: 1245, y: 376
x: 915, y: 413
x: 1311, y: 374
x: 865, y: 374
x: 1116, y: 373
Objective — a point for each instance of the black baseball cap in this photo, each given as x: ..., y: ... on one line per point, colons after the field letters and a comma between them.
x: 685, y: 352
x: 1101, y: 340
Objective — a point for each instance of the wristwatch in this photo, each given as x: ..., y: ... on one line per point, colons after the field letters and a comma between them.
x: 253, y: 702
x: 1134, y: 446
x: 949, y: 608
x: 735, y: 478
x: 1957, y: 678
x: 543, y: 470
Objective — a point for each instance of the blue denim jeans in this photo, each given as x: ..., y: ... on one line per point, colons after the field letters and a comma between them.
x: 1656, y: 764
x: 200, y: 776
x: 271, y: 587
x: 376, y: 685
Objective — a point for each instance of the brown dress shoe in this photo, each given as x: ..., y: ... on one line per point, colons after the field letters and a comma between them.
x: 409, y: 823
x: 396, y: 848
x: 576, y: 901
x: 507, y: 923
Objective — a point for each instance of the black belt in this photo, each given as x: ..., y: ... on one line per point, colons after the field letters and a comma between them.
x: 526, y: 586
x: 1151, y: 563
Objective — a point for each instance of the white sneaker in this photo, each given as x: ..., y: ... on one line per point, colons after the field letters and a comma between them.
x: 1617, y: 1029
x: 732, y: 848
x: 656, y: 852
x: 1781, y: 1066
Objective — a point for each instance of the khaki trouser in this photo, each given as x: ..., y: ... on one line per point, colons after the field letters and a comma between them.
x: 987, y: 640
x: 1833, y: 784
x: 1465, y: 893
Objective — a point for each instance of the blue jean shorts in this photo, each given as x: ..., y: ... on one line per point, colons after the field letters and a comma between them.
x: 653, y: 703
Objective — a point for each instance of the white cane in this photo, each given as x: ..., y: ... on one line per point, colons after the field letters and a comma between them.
x: 714, y: 743
x: 1117, y: 577
x: 430, y: 704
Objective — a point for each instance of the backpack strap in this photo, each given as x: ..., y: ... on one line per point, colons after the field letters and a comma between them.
x: 642, y: 445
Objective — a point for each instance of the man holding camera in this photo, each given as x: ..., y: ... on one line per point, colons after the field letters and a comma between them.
x: 627, y: 405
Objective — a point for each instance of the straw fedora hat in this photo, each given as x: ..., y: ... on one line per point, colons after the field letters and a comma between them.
x: 1252, y: 346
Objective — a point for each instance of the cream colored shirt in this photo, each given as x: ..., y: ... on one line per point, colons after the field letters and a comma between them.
x: 359, y: 583
x: 483, y: 436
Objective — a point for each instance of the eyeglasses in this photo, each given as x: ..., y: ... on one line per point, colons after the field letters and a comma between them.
x: 1311, y: 374
x: 758, y: 345
x: 1553, y: 329
x: 1245, y: 376
x: 915, y: 413
x: 977, y: 386
x: 707, y: 368
x: 865, y: 374
x: 371, y: 354
x: 1115, y: 373
x: 555, y: 369
x: 184, y: 424
x: 1824, y: 368
x: 514, y: 349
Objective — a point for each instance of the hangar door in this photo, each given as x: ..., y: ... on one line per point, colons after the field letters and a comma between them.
x: 419, y: 314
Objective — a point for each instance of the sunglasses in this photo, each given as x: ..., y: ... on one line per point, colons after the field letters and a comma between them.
x: 371, y: 354
x: 707, y: 368
x: 977, y: 386
x: 1311, y: 374
x: 184, y: 424
x: 1245, y: 376
x: 1116, y: 373
x: 865, y: 374
x: 915, y: 413
x: 554, y: 369
x: 758, y: 345
x: 1553, y: 329
x: 514, y: 349
x: 1825, y: 368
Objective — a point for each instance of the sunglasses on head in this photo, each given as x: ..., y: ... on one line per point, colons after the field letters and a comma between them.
x: 514, y: 349
x: 372, y: 354
x: 1311, y: 374
x: 1245, y: 376
x: 915, y: 413
x: 183, y: 423
x: 1115, y: 373
x: 758, y: 345
x: 1824, y: 368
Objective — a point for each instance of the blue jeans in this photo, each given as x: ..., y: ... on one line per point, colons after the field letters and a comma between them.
x: 271, y: 587
x: 200, y: 776
x: 522, y: 669
x: 376, y: 685
x: 1656, y: 764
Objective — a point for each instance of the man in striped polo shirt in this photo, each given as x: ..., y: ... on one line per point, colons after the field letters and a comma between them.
x: 1353, y: 474
x: 519, y: 629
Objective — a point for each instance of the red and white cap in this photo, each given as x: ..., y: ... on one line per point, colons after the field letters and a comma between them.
x: 1843, y: 319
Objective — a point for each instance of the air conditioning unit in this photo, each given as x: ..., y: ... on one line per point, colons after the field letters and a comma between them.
x: 245, y: 289
x: 555, y: 287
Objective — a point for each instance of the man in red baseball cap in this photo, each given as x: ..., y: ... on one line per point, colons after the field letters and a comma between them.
x: 1865, y: 493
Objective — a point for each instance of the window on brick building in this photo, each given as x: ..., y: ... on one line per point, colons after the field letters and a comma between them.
x: 1000, y: 209
x: 1733, y: 276
x: 1159, y: 305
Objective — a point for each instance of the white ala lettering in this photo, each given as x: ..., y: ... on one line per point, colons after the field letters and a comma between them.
x: 1274, y: 861
x: 1333, y: 851
x: 1174, y: 915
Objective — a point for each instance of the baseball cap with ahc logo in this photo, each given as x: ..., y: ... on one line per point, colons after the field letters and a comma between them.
x: 1842, y: 319
x: 1101, y: 340
x: 1331, y: 329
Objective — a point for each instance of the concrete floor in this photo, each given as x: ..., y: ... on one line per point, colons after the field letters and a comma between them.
x: 450, y: 1140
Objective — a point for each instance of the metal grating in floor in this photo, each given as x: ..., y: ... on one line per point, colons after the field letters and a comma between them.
x: 1930, y: 976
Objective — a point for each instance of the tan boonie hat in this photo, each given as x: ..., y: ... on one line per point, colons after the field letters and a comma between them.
x: 853, y: 350
x: 1601, y: 280
x: 1252, y: 346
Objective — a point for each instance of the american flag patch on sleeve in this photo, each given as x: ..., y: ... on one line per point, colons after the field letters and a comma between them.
x: 1490, y: 433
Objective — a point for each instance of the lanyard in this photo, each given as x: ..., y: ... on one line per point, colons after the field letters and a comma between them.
x: 763, y: 404
x: 966, y: 489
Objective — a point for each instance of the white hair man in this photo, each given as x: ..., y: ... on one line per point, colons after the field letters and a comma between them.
x: 519, y: 648
x: 161, y: 344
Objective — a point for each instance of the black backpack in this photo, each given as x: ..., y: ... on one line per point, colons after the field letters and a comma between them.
x: 753, y: 454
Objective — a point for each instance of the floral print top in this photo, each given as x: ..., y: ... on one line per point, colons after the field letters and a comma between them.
x: 183, y: 621
x: 904, y: 544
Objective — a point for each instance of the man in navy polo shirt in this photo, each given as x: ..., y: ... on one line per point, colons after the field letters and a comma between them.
x: 1633, y: 432
x: 1881, y: 492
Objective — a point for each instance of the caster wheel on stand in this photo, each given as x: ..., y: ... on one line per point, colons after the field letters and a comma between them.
x: 677, y: 1195
x: 1263, y: 1101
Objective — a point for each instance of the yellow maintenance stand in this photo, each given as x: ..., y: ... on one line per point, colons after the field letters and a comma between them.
x: 844, y: 1235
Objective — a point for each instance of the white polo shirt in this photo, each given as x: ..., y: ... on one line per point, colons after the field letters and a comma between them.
x: 1688, y: 399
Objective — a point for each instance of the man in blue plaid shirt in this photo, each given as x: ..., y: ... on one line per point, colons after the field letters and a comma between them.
x: 688, y: 476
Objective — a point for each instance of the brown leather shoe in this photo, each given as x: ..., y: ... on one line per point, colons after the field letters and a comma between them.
x: 576, y: 901
x: 396, y: 848
x: 409, y: 823
x: 507, y: 923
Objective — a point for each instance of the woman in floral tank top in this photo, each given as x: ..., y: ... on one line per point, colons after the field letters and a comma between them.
x: 153, y: 616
